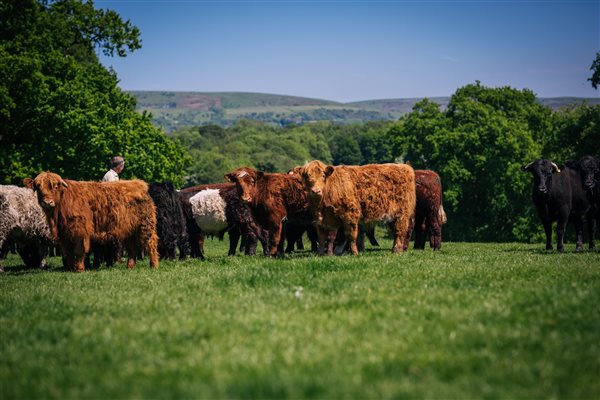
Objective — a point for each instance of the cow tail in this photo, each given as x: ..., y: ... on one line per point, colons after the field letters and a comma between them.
x: 442, y: 215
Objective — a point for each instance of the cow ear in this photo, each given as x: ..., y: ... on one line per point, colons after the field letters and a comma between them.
x: 28, y: 183
x: 259, y: 175
x: 329, y: 170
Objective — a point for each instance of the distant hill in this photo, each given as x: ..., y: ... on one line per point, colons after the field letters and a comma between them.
x: 172, y: 110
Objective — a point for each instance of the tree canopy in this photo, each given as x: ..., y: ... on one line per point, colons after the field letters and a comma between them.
x: 60, y: 109
x: 595, y: 78
x: 478, y: 145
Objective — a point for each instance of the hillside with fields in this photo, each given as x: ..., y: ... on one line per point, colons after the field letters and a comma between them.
x: 173, y: 110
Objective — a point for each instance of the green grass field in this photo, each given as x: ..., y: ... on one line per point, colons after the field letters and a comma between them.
x: 471, y: 321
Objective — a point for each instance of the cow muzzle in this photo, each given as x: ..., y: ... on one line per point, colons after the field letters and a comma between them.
x: 47, y: 204
x: 589, y: 183
x: 316, y: 191
x: 246, y: 199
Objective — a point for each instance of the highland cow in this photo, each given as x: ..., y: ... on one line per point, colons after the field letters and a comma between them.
x: 79, y: 213
x: 23, y: 225
x: 273, y: 199
x: 429, y: 212
x: 170, y: 221
x: 343, y: 196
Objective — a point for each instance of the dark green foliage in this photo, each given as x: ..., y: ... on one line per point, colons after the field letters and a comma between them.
x: 575, y: 133
x: 478, y: 146
x: 61, y: 110
x: 595, y: 68
x: 216, y: 150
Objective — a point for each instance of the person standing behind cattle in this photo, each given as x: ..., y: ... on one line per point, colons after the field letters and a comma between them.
x: 117, y: 164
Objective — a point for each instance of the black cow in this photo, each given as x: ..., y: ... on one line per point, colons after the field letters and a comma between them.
x: 589, y: 168
x: 559, y: 196
x: 170, y: 221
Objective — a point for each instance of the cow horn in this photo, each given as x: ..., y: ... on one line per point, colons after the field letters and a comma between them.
x: 555, y: 167
x: 62, y: 182
x: 526, y: 167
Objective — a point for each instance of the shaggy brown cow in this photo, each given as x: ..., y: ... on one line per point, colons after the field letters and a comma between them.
x: 81, y: 212
x: 348, y: 194
x: 273, y: 199
x: 429, y: 211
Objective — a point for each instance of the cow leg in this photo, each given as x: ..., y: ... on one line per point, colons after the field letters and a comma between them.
x: 351, y: 232
x: 250, y: 236
x: 548, y: 232
x: 200, y: 242
x: 411, y: 226
x: 291, y: 237
x: 311, y: 233
x: 399, y: 228
x: 420, y: 230
x: 561, y: 226
x: 578, y: 221
x: 81, y: 249
x: 243, y: 243
x: 172, y: 252
x: 435, y: 230
x: 340, y: 243
x: 131, y: 253
x: 370, y: 232
x: 322, y: 235
x: 148, y: 242
x: 274, y: 237
x: 591, y: 229
x: 251, y: 244
x: 360, y: 241
x: 67, y: 258
x: 282, y: 235
x: 234, y: 238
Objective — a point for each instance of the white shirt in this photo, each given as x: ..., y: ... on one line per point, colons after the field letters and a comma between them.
x: 110, y: 176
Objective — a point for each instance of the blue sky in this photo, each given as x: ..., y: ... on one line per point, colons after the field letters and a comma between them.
x: 360, y: 50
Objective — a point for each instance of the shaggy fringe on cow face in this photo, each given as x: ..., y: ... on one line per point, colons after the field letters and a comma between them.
x: 349, y: 194
x: 23, y: 222
x: 272, y: 198
x: 82, y: 212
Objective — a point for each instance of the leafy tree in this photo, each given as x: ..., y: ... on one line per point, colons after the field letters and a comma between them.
x: 576, y: 133
x: 595, y: 68
x: 216, y: 151
x: 61, y: 110
x: 345, y: 150
x: 478, y: 146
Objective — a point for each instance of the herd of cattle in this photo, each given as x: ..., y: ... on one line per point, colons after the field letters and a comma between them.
x: 337, y: 206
